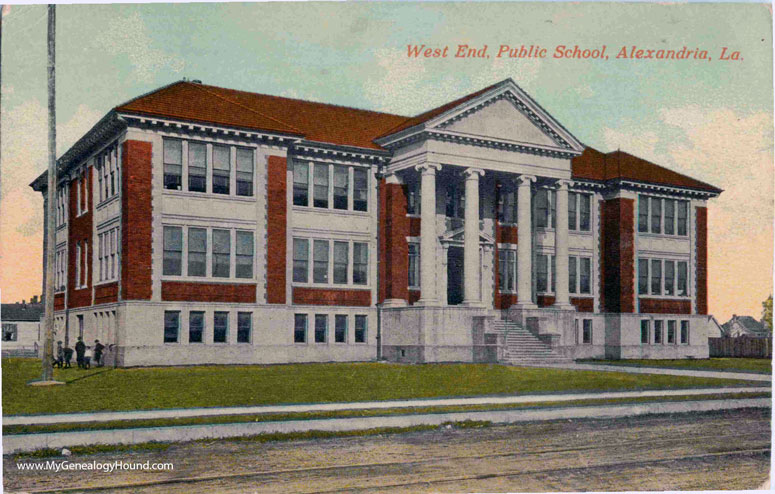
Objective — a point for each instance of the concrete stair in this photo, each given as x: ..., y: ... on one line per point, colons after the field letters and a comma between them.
x: 524, y: 348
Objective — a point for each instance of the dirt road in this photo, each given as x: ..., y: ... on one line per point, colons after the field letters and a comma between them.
x: 729, y: 450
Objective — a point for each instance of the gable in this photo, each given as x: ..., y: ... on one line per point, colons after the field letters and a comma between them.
x: 503, y: 121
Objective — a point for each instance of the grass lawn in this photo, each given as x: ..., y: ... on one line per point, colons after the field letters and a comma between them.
x: 757, y: 365
x: 210, y: 386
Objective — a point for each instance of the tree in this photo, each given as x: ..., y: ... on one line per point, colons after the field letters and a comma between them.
x: 767, y: 313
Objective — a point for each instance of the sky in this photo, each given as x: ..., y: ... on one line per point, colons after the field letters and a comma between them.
x: 712, y: 120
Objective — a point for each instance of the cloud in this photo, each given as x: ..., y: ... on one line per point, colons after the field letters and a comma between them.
x: 128, y: 35
x: 401, y: 83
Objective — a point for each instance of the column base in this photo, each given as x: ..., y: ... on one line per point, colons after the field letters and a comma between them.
x: 427, y: 302
x: 474, y: 304
x: 394, y: 302
x: 563, y: 306
x: 523, y: 305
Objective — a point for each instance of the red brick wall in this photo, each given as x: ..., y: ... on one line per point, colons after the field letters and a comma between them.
x: 79, y: 229
x: 182, y: 291
x: 394, y: 249
x: 664, y: 306
x: 702, y: 261
x: 414, y: 296
x: 504, y: 235
x: 325, y: 296
x: 59, y: 301
x: 136, y: 215
x: 276, y: 229
x: 414, y: 226
x: 582, y: 304
x: 618, y: 255
x: 104, y: 294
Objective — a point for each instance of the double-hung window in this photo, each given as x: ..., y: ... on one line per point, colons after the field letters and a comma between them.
x: 662, y: 277
x: 300, y: 328
x: 585, y: 212
x: 683, y: 211
x: 414, y: 265
x: 572, y: 198
x: 340, y: 328
x: 197, y: 252
x: 341, y: 262
x: 244, y: 268
x: 244, y: 326
x: 360, y: 263
x: 361, y: 325
x: 643, y: 213
x: 361, y: 189
x: 221, y: 253
x: 585, y: 271
x: 413, y: 198
x: 662, y: 215
x: 507, y: 206
x: 197, y: 167
x: 173, y: 250
x: 683, y: 268
x: 173, y: 164
x: 171, y: 326
x: 221, y: 169
x: 244, y: 172
x: 645, y: 328
x: 220, y: 327
x: 671, y: 332
x: 300, y: 184
x: 643, y: 276
x: 98, y: 167
x: 320, y: 261
x: 196, y: 327
x: 300, y: 260
x: 507, y: 268
x: 669, y: 277
x: 586, y: 336
x: 684, y: 332
x: 656, y: 277
x: 656, y: 215
x: 658, y: 331
x: 542, y: 273
x: 320, y: 186
x: 669, y: 217
x: 546, y: 212
x: 321, y: 328
x: 341, y: 186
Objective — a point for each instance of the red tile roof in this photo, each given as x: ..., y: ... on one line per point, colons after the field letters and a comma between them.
x: 594, y: 165
x: 315, y: 121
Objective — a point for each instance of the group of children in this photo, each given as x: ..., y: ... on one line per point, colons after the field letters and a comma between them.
x: 83, y: 354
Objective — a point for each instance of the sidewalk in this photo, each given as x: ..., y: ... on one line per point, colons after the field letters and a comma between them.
x: 372, y: 405
x: 747, y: 376
x: 31, y: 442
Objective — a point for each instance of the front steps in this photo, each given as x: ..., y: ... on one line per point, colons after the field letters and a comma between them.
x: 524, y: 348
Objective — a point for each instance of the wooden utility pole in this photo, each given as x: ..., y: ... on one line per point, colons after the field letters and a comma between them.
x: 48, y: 345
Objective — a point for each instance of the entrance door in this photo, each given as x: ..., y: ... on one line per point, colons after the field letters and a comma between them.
x: 455, y: 275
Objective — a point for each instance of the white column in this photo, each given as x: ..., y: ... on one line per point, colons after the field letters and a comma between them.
x: 562, y: 297
x: 525, y: 241
x: 428, y: 234
x: 471, y: 260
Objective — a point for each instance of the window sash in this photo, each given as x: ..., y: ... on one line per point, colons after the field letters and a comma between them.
x: 670, y: 332
x: 320, y: 261
x: 360, y: 189
x: 360, y: 263
x: 643, y: 276
x: 341, y: 262
x: 173, y: 164
x: 171, y: 326
x: 414, y: 265
x: 585, y: 278
x: 173, y: 250
x: 197, y: 167
x: 244, y: 253
x: 320, y: 186
x: 300, y: 184
x: 244, y: 326
x: 300, y: 328
x: 572, y: 197
x: 643, y: 213
x: 669, y: 277
x: 682, y: 215
x: 361, y: 327
x: 220, y: 327
x: 684, y: 332
x: 221, y: 253
x: 656, y: 215
x: 682, y: 279
x: 300, y: 260
x: 587, y: 331
x: 585, y: 210
x: 244, y: 172
x: 656, y: 277
x: 542, y: 273
x: 644, y: 331
x: 196, y: 327
x: 321, y: 328
x: 572, y: 270
x: 542, y: 208
x: 197, y: 252
x: 669, y: 217
x: 341, y: 186
x: 340, y: 328
x: 221, y: 169
x: 657, y: 331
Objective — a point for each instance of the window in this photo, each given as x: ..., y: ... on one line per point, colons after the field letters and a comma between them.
x: 341, y: 261
x: 554, y: 274
x: 300, y: 184
x: 10, y: 331
x: 455, y: 201
x: 671, y: 332
x: 585, y: 206
x: 413, y: 198
x: 507, y: 268
x: 197, y: 167
x: 321, y: 328
x: 643, y: 213
x: 106, y: 254
x: 361, y: 189
x: 220, y: 327
x: 585, y: 275
x: 669, y: 217
x: 669, y: 276
x: 656, y: 277
x: 244, y: 268
x: 173, y: 163
x: 171, y: 326
x: 173, y: 250
x: 221, y: 253
x: 196, y: 327
x: 101, y: 256
x: 85, y: 260
x: 320, y: 188
x: 507, y: 206
x: 644, y: 331
x: 579, y: 210
x: 300, y: 328
x: 545, y: 212
x: 360, y: 263
x: 320, y: 261
x: 244, y: 326
x: 572, y: 275
x: 244, y: 172
x: 681, y: 227
x: 587, y: 331
x: 414, y: 265
x: 77, y: 264
x: 300, y: 260
x: 109, y: 178
x: 657, y: 331
x: 197, y: 252
x: 684, y: 332
x: 542, y: 274
x: 341, y: 186
x: 572, y: 198
x: 360, y: 329
x: 656, y: 215
x: 682, y: 274
x: 98, y: 167
x: 340, y: 328
x: 221, y: 169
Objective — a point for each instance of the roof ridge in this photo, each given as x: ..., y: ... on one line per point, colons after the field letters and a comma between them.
x: 148, y: 93
x: 305, y: 101
x: 213, y: 93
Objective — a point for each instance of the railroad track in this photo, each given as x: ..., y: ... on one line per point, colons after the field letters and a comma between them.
x: 657, y: 444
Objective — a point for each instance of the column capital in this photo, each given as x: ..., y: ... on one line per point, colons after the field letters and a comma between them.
x: 473, y: 173
x: 426, y: 167
x: 563, y: 184
x: 525, y: 180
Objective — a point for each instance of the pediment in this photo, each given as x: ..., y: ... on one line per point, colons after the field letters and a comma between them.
x: 458, y: 236
x: 501, y: 119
